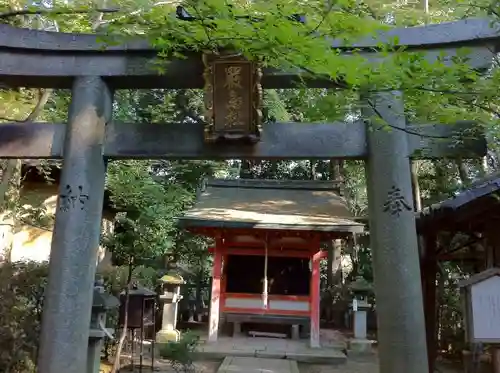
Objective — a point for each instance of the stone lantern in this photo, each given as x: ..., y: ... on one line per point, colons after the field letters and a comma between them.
x: 169, y: 304
x: 101, y: 304
x: 360, y: 289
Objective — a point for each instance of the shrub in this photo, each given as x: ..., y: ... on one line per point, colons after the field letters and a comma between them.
x: 181, y: 354
x: 21, y: 292
x: 22, y: 286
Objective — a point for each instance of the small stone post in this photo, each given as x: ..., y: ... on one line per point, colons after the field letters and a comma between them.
x: 67, y: 308
x: 396, y: 265
x: 169, y: 302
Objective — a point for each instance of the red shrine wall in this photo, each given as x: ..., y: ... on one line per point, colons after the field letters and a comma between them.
x: 302, y: 245
x: 278, y: 305
x: 288, y: 284
x: 294, y: 301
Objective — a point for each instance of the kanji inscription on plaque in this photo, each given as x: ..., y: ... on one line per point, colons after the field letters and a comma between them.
x: 233, y: 98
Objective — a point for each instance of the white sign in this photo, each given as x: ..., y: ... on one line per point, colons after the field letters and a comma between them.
x: 485, y: 298
x: 354, y: 304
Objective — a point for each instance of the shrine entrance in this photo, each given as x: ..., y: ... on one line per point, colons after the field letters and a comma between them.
x: 382, y: 138
x: 266, y: 269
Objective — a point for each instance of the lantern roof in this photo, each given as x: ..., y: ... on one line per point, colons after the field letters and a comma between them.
x: 173, y: 278
x: 360, y: 285
x: 272, y: 204
x: 104, y: 301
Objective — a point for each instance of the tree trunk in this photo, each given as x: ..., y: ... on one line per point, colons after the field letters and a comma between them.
x: 440, y: 290
x: 312, y: 169
x: 245, y: 169
x: 333, y: 247
x: 342, y: 177
x: 416, y: 186
x: 441, y: 179
x: 462, y: 172
x: 198, y: 294
x: 329, y: 265
x: 116, y: 363
x: 352, y: 248
x: 10, y: 183
x: 334, y: 272
x: 484, y: 168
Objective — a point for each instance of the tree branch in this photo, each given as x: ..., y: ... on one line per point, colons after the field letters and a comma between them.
x: 42, y: 101
x: 323, y: 19
x: 43, y: 97
x: 11, y: 164
x: 410, y: 132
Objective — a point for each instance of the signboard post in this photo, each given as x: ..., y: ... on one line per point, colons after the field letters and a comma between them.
x: 481, y: 297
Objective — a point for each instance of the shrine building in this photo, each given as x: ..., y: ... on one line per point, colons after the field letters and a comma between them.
x: 267, y: 251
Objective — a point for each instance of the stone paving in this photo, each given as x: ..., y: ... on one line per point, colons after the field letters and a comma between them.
x: 257, y: 365
x: 272, y: 348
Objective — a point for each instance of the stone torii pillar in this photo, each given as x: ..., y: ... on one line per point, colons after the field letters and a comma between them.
x: 396, y: 265
x: 68, y: 305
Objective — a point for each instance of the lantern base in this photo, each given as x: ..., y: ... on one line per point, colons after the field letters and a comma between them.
x: 360, y: 347
x: 165, y: 336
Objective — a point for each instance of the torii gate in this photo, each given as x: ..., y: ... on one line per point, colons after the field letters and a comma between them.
x: 56, y: 60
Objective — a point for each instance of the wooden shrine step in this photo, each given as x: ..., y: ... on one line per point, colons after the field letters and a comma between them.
x: 254, y: 333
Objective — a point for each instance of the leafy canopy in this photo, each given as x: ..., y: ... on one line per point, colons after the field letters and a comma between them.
x: 146, y: 224
x: 271, y: 32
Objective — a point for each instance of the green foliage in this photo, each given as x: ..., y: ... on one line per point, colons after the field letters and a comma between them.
x: 450, y: 318
x: 115, y: 278
x: 22, y: 287
x: 264, y: 31
x: 181, y: 354
x: 21, y: 293
x: 147, y: 228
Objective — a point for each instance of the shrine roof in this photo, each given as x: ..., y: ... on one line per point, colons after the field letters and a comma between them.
x: 480, y: 277
x: 271, y: 204
x: 465, y: 206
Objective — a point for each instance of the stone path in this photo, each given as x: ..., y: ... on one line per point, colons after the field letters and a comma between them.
x: 233, y: 364
x: 272, y: 348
